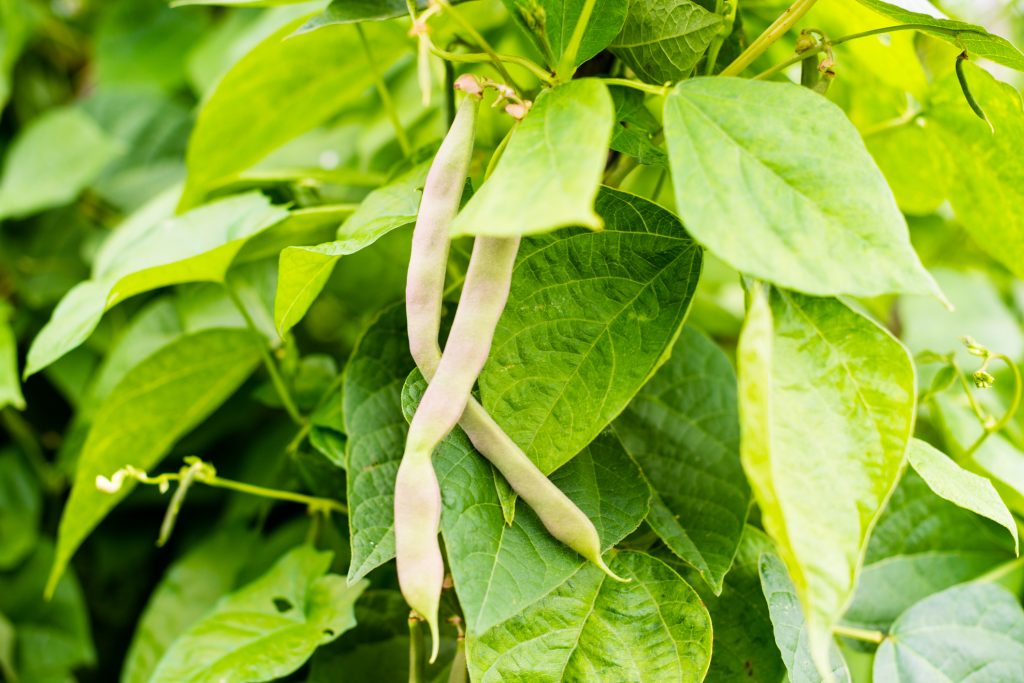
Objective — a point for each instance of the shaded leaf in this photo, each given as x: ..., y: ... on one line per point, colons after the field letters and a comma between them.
x: 10, y: 387
x: 592, y: 628
x: 973, y: 632
x: 21, y: 508
x: 267, y: 629
x: 550, y: 24
x: 635, y: 128
x: 549, y: 174
x: 775, y: 180
x: 158, y: 401
x: 662, y: 40
x: 351, y: 11
x: 827, y: 401
x: 790, y: 629
x: 683, y: 430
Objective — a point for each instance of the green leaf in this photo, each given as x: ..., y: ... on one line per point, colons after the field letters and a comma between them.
x: 158, y: 401
x: 744, y: 644
x: 352, y: 11
x: 683, y: 430
x: 593, y: 628
x: 775, y: 180
x: 198, y: 246
x: 549, y: 174
x: 17, y: 23
x: 10, y: 387
x: 827, y: 401
x: 269, y: 628
x: 791, y: 634
x: 922, y: 544
x: 975, y: 39
x: 635, y: 128
x: 662, y: 40
x: 973, y: 632
x: 550, y: 24
x: 51, y: 161
x: 590, y: 318
x: 52, y: 637
x: 187, y: 591
x: 957, y: 485
x: 304, y: 271
x: 987, y: 187
x: 21, y: 509
x: 256, y: 108
x: 239, y: 3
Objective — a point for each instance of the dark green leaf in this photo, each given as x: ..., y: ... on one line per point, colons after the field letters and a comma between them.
x: 662, y: 40
x: 21, y: 508
x: 550, y: 24
x: 635, y: 128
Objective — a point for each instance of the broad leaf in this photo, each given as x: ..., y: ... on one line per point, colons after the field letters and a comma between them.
x: 921, y: 545
x: 550, y: 24
x: 791, y: 633
x: 52, y: 637
x: 776, y: 181
x: 827, y: 401
x: 10, y: 387
x: 549, y: 174
x: 973, y: 632
x: 683, y: 430
x: 351, y: 11
x: 158, y: 401
x: 304, y: 271
x: 975, y: 39
x: 592, y: 628
x: 256, y: 108
x: 662, y: 40
x: 589, y: 320
x: 267, y: 629
x: 987, y: 187
x: 966, y: 489
x: 187, y: 591
x: 51, y: 161
x: 198, y: 246
x: 744, y: 646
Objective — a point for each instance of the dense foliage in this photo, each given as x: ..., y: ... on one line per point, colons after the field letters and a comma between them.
x: 661, y: 340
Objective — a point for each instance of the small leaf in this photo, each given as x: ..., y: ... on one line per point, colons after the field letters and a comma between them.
x: 10, y: 387
x: 589, y: 320
x: 683, y: 430
x: 255, y: 107
x: 304, y: 271
x: 973, y: 632
x: 549, y: 174
x: 550, y: 24
x: 198, y: 246
x: 827, y: 401
x: 635, y: 128
x: 957, y: 485
x: 662, y: 40
x: 975, y: 39
x: 51, y: 161
x: 248, y: 637
x: 593, y: 628
x: 790, y: 630
x: 775, y: 180
x: 158, y: 401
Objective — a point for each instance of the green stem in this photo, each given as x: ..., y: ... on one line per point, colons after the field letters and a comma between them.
x: 866, y: 635
x: 480, y: 40
x: 385, y: 95
x: 779, y: 28
x: 999, y: 425
x: 857, y: 36
x: 480, y: 58
x: 661, y: 90
x: 728, y: 22
x: 275, y: 375
x: 567, y: 64
x: 416, y: 650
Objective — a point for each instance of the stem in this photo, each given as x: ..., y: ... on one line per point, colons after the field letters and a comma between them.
x: 661, y: 90
x: 728, y: 22
x: 416, y: 650
x: 1000, y: 424
x: 866, y: 635
x: 275, y: 375
x: 385, y: 95
x: 480, y: 40
x: 857, y: 36
x: 312, y: 502
x: 481, y: 58
x: 771, y: 34
x: 567, y: 63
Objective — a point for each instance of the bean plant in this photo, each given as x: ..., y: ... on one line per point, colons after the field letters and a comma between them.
x: 644, y: 341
